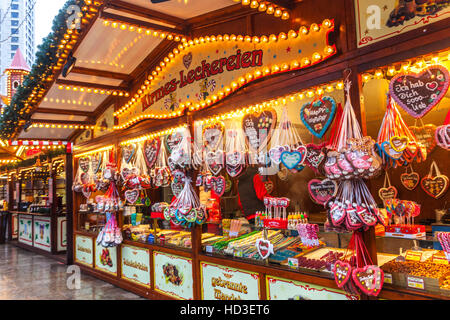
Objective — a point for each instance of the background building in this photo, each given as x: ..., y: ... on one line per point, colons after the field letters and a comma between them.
x: 16, y: 31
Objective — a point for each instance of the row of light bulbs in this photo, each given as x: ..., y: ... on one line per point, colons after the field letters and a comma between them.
x: 62, y: 126
x: 94, y: 90
x: 68, y: 101
x: 95, y: 151
x: 405, y: 67
x: 154, y: 135
x: 267, y: 7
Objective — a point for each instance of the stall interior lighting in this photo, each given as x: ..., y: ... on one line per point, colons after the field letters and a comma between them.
x: 267, y: 7
x: 106, y: 148
x: 154, y: 135
x: 62, y: 126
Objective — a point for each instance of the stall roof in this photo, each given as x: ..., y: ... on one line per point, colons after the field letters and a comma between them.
x: 117, y: 44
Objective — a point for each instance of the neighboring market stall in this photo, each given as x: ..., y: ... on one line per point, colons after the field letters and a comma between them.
x: 252, y: 150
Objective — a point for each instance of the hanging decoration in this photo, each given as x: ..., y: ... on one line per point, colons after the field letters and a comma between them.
x: 258, y: 128
x: 410, y: 180
x: 435, y: 186
x: 134, y: 168
x: 185, y: 209
x: 181, y: 154
x: 425, y: 135
x: 110, y: 235
x: 318, y: 115
x: 356, y: 273
x: 314, y: 156
x: 418, y: 93
x: 396, y: 144
x: 151, y: 151
x: 442, y: 136
x: 235, y: 150
x: 444, y: 239
x: 350, y: 155
x: 322, y: 190
x: 161, y: 173
x: 388, y: 191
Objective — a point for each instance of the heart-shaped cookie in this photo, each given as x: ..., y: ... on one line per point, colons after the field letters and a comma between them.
x: 128, y: 151
x: 264, y: 247
x: 410, y: 180
x: 258, y: 128
x: 151, y: 151
x: 172, y: 140
x: 318, y: 116
x: 399, y: 143
x: 268, y: 185
x: 388, y: 193
x: 425, y: 135
x: 291, y: 159
x: 342, y: 273
x: 435, y: 186
x: 314, y: 156
x: 214, y: 161
x: 96, y: 161
x: 418, y: 93
x: 84, y: 164
x: 321, y: 191
x: 131, y: 195
x: 218, y: 185
x: 389, y: 151
x: 275, y: 153
x: 213, y: 136
x: 176, y: 188
x: 369, y: 279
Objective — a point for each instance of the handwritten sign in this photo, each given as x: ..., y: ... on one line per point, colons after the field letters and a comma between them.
x: 418, y: 93
x: 322, y: 190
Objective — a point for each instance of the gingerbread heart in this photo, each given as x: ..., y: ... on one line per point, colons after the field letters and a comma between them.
x: 389, y: 151
x: 314, y: 156
x: 399, y: 143
x: 218, y: 185
x: 418, y: 93
x: 387, y: 193
x: 290, y: 159
x: 321, y: 191
x: 132, y: 195
x: 128, y: 152
x: 342, y: 273
x: 410, y: 180
x: 84, y: 164
x: 369, y: 279
x: 96, y: 161
x: 425, y: 135
x: 268, y: 185
x: 264, y: 247
x: 258, y: 128
x: 176, y: 188
x: 435, y: 186
x: 318, y: 116
x: 187, y: 59
x: 214, y: 161
x: 213, y: 136
x: 151, y: 151
x: 172, y: 140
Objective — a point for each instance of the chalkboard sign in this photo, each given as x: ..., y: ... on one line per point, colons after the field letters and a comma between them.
x: 418, y: 93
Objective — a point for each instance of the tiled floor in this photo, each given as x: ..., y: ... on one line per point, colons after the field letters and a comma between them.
x: 25, y: 275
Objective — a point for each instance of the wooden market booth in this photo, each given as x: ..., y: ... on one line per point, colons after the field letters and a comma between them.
x: 136, y: 70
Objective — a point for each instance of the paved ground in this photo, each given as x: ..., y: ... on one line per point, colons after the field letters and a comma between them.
x: 25, y: 275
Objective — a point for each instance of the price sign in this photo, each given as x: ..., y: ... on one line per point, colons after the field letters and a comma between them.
x: 439, y: 259
x: 387, y: 278
x: 416, y: 283
x: 413, y: 256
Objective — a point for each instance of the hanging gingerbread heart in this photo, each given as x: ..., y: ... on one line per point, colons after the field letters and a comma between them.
x: 218, y: 185
x: 318, y: 115
x: 84, y: 164
x: 132, y: 195
x: 342, y: 273
x: 86, y: 192
x: 234, y: 158
x: 128, y: 152
x: 283, y: 173
x: 425, y: 135
x: 435, y: 185
x: 418, y: 93
x: 442, y: 136
x: 213, y: 136
x: 321, y: 191
x: 176, y: 188
x: 275, y: 153
x: 268, y: 185
x: 258, y: 128
x: 314, y: 156
x: 410, y: 180
x: 151, y: 151
x: 96, y: 161
x: 172, y: 140
x: 214, y: 161
x: 387, y: 193
x: 234, y: 171
x: 291, y: 159
x: 369, y: 279
x: 399, y: 143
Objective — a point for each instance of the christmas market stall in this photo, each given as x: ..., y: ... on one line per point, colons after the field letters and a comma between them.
x: 250, y: 149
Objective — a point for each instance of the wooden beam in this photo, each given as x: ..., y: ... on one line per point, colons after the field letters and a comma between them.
x: 287, y: 4
x: 90, y: 85
x: 145, y: 12
x: 64, y: 112
x: 100, y: 73
x: 141, y: 24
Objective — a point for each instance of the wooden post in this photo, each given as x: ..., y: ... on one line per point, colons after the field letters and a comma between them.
x: 53, y: 210
x: 69, y: 208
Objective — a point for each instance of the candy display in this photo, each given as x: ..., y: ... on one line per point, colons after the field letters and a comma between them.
x: 444, y: 239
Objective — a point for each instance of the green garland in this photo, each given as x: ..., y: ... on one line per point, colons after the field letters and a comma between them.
x: 46, y: 59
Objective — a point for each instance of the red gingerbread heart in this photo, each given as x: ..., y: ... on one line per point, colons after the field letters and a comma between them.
x: 369, y: 279
x: 342, y: 272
